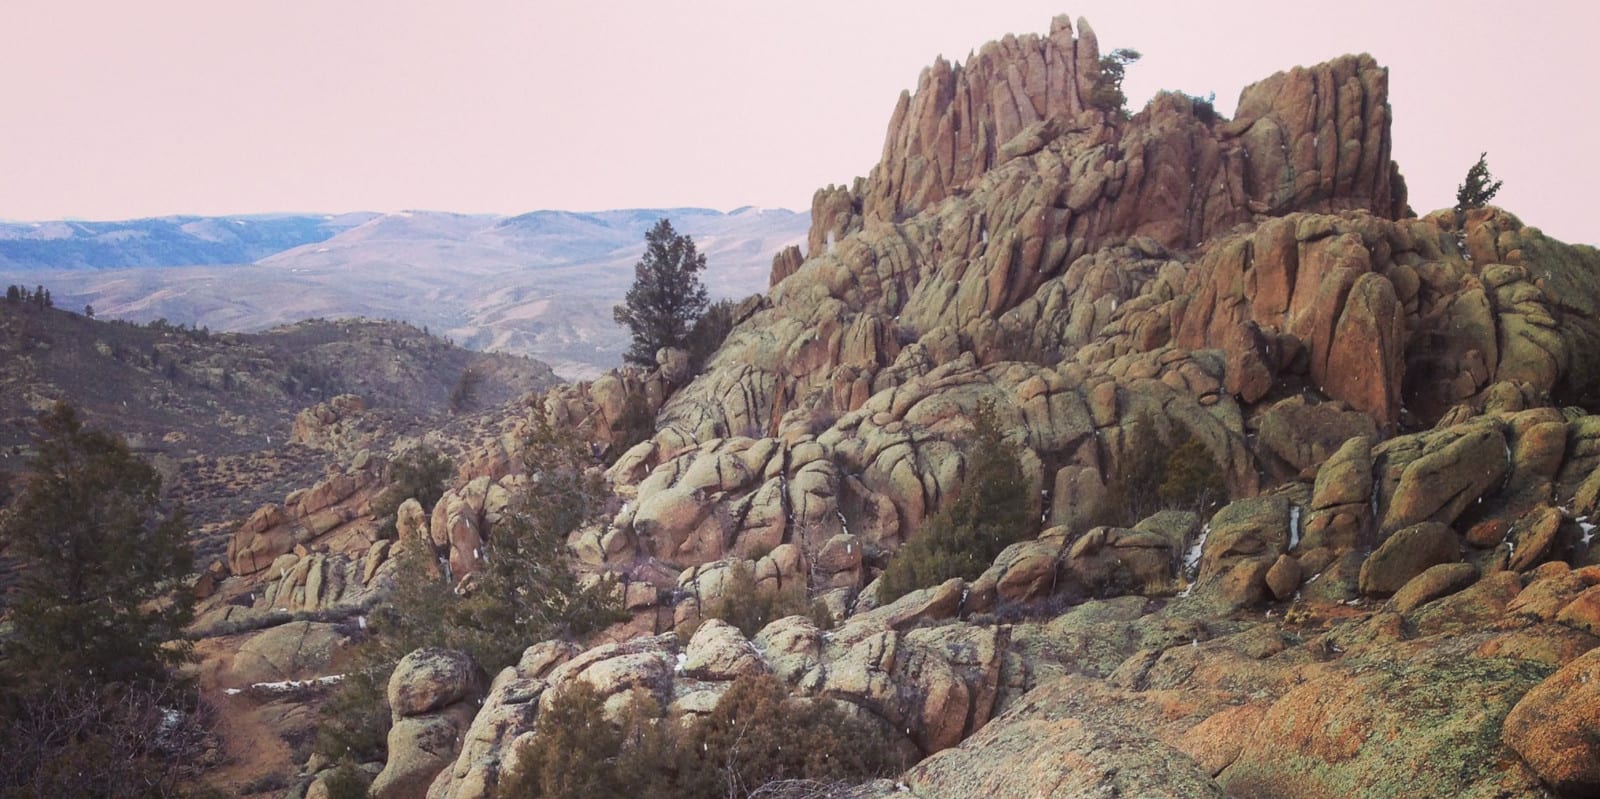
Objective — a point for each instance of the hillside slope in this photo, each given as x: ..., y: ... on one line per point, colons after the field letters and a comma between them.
x: 201, y: 402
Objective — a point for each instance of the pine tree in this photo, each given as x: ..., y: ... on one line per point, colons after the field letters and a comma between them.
x: 1479, y: 187
x: 962, y: 539
x: 1107, y: 92
x: 525, y: 588
x: 667, y: 295
x: 100, y: 598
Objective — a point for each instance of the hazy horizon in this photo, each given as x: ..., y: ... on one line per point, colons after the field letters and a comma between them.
x: 188, y: 108
x: 340, y: 212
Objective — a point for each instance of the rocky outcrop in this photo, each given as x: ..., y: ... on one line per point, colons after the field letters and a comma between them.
x: 1374, y: 390
x: 1407, y: 509
x: 1315, y: 139
x: 1252, y: 283
x: 335, y: 425
x: 433, y: 697
x: 294, y: 651
x: 936, y: 684
x: 334, y: 512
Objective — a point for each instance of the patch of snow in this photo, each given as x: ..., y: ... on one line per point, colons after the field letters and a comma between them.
x: 287, y: 686
x: 1587, y: 527
x: 1294, y: 527
x: 682, y: 659
x: 1191, y: 558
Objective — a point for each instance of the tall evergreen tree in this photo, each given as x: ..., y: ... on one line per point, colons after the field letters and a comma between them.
x: 667, y: 295
x: 100, y: 598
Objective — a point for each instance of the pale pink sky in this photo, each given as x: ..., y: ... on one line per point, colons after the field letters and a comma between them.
x: 117, y: 109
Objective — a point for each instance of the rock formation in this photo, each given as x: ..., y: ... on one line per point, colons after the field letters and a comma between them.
x: 1396, y: 408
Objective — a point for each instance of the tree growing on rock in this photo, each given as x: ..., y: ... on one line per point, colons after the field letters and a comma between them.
x: 464, y: 396
x: 755, y: 740
x: 1107, y: 92
x: 420, y: 474
x: 708, y: 332
x: 963, y: 538
x: 523, y: 592
x: 100, y: 598
x: 1478, y: 188
x: 667, y: 295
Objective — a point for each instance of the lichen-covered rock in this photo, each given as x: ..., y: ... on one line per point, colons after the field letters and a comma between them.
x: 1109, y: 561
x: 1038, y: 748
x: 792, y: 645
x: 1406, y: 554
x: 1341, y: 500
x: 1022, y: 572
x: 1328, y: 738
x: 1452, y: 471
x: 1555, y: 727
x: 1283, y: 579
x: 939, y: 684
x: 1583, y: 612
x: 431, y: 678
x: 294, y: 651
x: 433, y: 696
x: 1436, y: 581
x: 1246, y: 530
x: 718, y: 651
x: 942, y: 601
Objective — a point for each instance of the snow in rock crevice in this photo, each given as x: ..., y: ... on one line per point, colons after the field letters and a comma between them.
x: 1294, y: 527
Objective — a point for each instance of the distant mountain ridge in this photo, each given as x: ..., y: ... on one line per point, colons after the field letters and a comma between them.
x: 163, y: 241
x: 540, y: 284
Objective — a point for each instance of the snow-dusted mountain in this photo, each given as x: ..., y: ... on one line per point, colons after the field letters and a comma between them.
x: 163, y: 241
x: 541, y: 284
